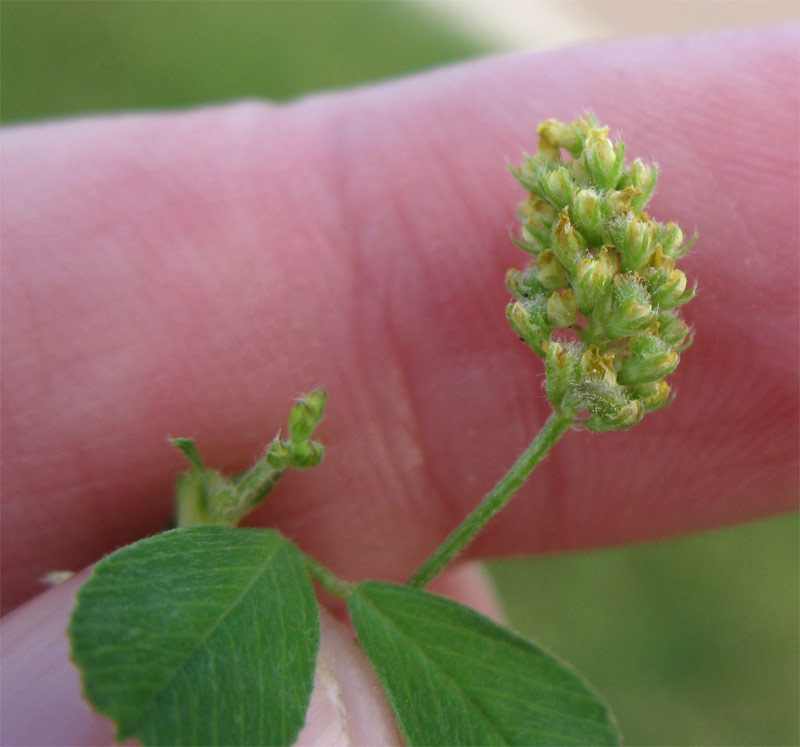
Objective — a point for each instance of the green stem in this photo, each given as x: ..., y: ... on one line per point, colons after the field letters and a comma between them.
x: 327, y: 579
x: 501, y: 494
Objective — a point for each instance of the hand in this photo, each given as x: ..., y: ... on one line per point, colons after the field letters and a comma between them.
x: 189, y: 274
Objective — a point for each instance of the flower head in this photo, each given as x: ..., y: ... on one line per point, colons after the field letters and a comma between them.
x: 599, y: 299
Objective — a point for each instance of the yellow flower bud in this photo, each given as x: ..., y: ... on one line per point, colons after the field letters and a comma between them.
x: 535, y: 209
x: 548, y: 151
x: 562, y: 310
x: 551, y: 274
x: 620, y: 201
x: 568, y: 244
x: 661, y: 262
x: 557, y: 134
x: 597, y: 365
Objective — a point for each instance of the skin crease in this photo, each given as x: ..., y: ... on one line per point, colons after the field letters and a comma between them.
x: 189, y: 274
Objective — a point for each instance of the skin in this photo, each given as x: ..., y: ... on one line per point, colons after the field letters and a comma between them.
x: 188, y: 274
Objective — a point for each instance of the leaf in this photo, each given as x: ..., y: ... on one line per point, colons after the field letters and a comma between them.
x: 204, y: 635
x: 454, y: 677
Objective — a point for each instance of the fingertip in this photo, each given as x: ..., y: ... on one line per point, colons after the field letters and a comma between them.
x: 348, y: 706
x: 42, y: 702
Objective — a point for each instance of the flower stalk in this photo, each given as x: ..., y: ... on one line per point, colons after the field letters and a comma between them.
x: 597, y: 302
x: 205, y: 496
x: 555, y: 427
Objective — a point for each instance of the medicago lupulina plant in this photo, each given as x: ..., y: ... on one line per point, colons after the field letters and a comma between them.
x: 208, y: 633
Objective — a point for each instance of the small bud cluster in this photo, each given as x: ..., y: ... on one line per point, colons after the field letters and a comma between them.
x: 205, y: 496
x: 599, y: 299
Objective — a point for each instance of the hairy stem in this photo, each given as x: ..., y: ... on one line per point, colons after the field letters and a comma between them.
x: 327, y: 579
x: 500, y: 495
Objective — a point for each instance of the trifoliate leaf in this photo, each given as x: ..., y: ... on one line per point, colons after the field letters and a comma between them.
x: 454, y: 677
x: 205, y: 636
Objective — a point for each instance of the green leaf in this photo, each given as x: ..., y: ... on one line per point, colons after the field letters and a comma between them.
x: 204, y: 635
x: 454, y: 677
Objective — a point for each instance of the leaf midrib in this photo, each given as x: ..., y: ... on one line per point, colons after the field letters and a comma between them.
x: 554, y: 688
x: 201, y: 642
x: 438, y: 668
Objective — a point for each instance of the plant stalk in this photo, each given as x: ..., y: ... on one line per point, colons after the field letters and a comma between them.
x: 327, y: 579
x: 555, y: 427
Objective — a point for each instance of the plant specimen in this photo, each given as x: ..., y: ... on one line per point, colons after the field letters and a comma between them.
x: 208, y: 633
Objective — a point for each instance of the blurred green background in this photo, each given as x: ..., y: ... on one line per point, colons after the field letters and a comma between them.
x: 692, y: 641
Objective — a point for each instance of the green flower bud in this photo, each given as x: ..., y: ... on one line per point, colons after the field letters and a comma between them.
x: 634, y: 239
x: 668, y: 290
x: 278, y: 454
x: 630, y: 311
x: 563, y: 373
x: 537, y: 221
x: 515, y: 284
x: 528, y: 319
x: 524, y: 284
x: 306, y: 454
x: 673, y: 330
x: 593, y: 279
x: 579, y: 173
x: 527, y: 173
x: 568, y: 244
x: 643, y: 177
x: 306, y: 415
x: 561, y: 309
x: 551, y: 273
x: 654, y: 395
x: 531, y: 239
x: 604, y: 162
x: 670, y: 237
x: 651, y: 359
x: 628, y: 415
x: 557, y: 187
x: 589, y: 214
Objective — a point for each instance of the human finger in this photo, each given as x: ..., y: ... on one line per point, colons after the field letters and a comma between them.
x: 190, y: 274
x: 42, y: 702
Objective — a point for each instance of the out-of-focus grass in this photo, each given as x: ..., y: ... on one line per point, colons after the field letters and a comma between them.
x: 70, y: 57
x: 693, y: 641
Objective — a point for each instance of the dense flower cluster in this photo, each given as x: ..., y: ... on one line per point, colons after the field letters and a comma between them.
x: 598, y: 300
